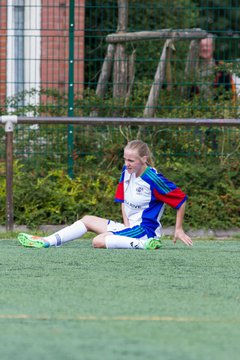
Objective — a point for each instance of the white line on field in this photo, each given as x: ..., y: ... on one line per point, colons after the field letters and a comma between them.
x: 117, y: 318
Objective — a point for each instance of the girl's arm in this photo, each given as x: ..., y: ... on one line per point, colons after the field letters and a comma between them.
x: 179, y: 233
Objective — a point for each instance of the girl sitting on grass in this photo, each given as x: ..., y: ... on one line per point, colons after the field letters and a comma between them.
x: 143, y: 193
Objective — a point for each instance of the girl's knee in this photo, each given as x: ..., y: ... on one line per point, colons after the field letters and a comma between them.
x: 99, y: 242
x: 87, y: 220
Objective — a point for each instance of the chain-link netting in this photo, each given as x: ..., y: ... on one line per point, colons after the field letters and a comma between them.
x: 165, y: 59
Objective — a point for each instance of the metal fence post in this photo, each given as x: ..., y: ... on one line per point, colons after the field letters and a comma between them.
x: 71, y: 88
x: 9, y: 120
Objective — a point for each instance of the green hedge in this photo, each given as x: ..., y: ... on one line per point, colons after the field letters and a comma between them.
x: 213, y: 191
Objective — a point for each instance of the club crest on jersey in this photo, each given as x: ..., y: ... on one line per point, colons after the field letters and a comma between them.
x: 139, y: 190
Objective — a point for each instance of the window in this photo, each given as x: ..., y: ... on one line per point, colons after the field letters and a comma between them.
x: 23, y: 48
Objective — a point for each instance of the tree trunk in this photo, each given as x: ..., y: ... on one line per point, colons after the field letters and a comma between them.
x: 191, y: 66
x: 120, y: 59
x: 120, y: 72
x: 169, y: 54
x: 158, y: 82
x: 122, y: 16
x: 104, y: 76
x: 106, y: 71
x: 131, y: 76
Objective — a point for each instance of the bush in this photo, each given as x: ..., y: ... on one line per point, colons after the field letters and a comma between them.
x: 57, y: 199
x: 213, y: 191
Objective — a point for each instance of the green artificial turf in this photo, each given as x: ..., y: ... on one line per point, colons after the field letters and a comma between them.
x: 76, y: 302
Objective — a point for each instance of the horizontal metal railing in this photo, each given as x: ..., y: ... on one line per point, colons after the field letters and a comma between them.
x: 121, y: 121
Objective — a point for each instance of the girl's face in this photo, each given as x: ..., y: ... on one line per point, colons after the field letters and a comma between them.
x: 134, y: 163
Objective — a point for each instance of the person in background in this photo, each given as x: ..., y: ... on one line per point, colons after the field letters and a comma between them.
x: 143, y: 193
x: 212, y: 81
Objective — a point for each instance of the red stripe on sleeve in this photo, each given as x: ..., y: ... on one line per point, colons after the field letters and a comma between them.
x: 119, y: 195
x: 174, y: 198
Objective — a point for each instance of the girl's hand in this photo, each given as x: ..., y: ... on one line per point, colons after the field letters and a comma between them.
x: 181, y: 235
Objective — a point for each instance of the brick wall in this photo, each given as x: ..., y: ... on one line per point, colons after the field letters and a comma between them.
x: 55, y: 44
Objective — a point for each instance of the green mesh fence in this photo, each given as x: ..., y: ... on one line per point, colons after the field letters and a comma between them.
x: 119, y: 59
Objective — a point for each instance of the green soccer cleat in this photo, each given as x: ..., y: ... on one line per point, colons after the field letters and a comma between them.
x: 32, y: 241
x: 153, y: 244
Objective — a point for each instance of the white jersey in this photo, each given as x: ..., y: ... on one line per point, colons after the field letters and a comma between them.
x: 144, y: 198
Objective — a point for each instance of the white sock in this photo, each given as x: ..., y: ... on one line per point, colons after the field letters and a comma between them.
x: 72, y: 232
x: 123, y: 242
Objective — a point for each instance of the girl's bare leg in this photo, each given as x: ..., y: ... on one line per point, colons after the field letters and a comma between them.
x: 99, y: 240
x: 78, y: 229
x: 95, y: 224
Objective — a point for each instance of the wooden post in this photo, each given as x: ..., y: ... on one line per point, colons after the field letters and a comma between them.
x: 104, y: 76
x: 120, y: 72
x: 168, y: 77
x: 158, y: 81
x: 131, y: 76
x: 191, y: 65
x: 120, y: 59
x: 105, y: 72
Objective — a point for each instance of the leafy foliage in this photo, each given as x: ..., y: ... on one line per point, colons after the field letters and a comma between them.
x: 213, y: 191
x: 214, y: 195
x: 57, y: 199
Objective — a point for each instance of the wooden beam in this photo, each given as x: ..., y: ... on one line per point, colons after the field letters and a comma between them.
x: 189, y: 34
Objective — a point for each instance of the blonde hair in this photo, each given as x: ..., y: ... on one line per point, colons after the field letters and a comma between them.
x: 142, y: 150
